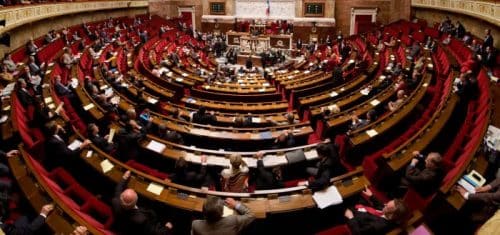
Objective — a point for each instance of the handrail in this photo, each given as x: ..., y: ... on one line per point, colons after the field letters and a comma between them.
x: 18, y: 16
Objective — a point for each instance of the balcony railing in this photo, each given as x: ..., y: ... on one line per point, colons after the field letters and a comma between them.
x: 16, y: 16
x: 488, y: 10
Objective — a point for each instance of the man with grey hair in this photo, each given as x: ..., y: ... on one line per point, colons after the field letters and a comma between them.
x: 424, y: 173
x: 131, y: 219
x: 214, y: 222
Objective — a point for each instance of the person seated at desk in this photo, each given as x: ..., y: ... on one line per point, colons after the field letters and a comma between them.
x: 61, y: 89
x: 34, y: 81
x: 23, y: 94
x: 393, y: 105
x: 235, y: 178
x: 128, y: 139
x: 56, y: 148
x: 373, y: 217
x: 129, y: 218
x: 215, y: 223
x: 41, y: 115
x: 35, y: 68
x: 424, y: 174
x: 99, y: 141
x: 23, y: 227
x: 284, y: 140
x: 184, y: 174
x: 329, y: 166
x: 356, y: 122
x: 482, y: 203
x: 9, y: 63
x: 265, y: 179
x: 201, y: 117
x: 241, y: 121
x: 465, y: 88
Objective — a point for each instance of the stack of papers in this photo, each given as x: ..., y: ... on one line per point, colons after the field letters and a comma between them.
x: 374, y: 102
x: 75, y: 144
x: 371, y: 132
x: 155, y: 188
x: 88, y: 107
x: 327, y: 197
x: 333, y: 94
x: 156, y: 146
x: 106, y: 166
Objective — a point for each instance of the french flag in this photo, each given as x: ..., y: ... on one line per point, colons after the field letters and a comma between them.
x: 268, y: 9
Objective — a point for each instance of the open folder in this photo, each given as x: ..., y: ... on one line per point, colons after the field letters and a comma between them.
x: 327, y: 197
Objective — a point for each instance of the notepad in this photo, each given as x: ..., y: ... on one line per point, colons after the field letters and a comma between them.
x: 106, y: 166
x: 155, y: 188
x: 333, y: 94
x: 88, y: 107
x: 227, y: 212
x: 111, y: 135
x: 59, y: 107
x: 6, y: 108
x: 256, y: 119
x: 89, y: 153
x: 75, y: 144
x: 371, y: 132
x: 48, y: 100
x: 184, y: 74
x: 156, y: 146
x: 374, y: 102
x: 51, y: 106
x: 311, y: 154
x: 152, y: 100
x: 179, y: 79
x: 365, y: 91
x: 327, y: 197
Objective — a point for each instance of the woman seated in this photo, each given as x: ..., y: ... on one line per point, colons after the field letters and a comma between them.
x: 235, y: 178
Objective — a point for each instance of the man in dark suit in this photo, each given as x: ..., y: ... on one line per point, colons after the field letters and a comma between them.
x: 214, y: 223
x: 23, y: 227
x: 488, y: 39
x: 128, y: 141
x: 201, y: 117
x: 56, y: 149
x: 424, y: 174
x: 375, y: 218
x: 328, y: 166
x: 488, y: 194
x: 5, y: 183
x: 24, y: 96
x: 265, y: 179
x: 131, y: 219
x: 97, y: 140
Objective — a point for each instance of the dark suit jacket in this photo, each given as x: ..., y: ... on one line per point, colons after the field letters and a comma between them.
x: 205, y: 119
x: 264, y: 179
x: 424, y: 180
x: 327, y: 169
x: 23, y: 227
x: 57, y: 152
x: 492, y: 197
x: 366, y: 223
x: 25, y: 97
x: 134, y: 221
x: 190, y: 177
x: 128, y: 143
x: 101, y: 143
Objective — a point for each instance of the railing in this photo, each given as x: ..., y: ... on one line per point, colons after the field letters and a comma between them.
x: 488, y: 10
x: 18, y: 16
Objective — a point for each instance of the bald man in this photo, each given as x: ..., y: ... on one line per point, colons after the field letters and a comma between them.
x: 129, y: 218
x: 424, y: 173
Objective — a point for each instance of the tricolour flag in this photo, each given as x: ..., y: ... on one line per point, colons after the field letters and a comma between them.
x: 268, y: 9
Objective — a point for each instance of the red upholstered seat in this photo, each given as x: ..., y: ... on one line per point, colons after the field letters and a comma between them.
x: 337, y: 230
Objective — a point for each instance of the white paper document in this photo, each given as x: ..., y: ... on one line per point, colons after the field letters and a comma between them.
x: 371, y: 132
x: 311, y: 154
x: 88, y: 107
x: 106, y: 166
x: 374, y: 102
x: 75, y: 145
x: 155, y: 188
x: 333, y: 94
x: 273, y: 160
x: 227, y: 211
x: 327, y: 197
x: 156, y: 146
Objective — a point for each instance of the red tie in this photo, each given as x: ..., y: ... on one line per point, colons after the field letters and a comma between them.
x: 370, y: 210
